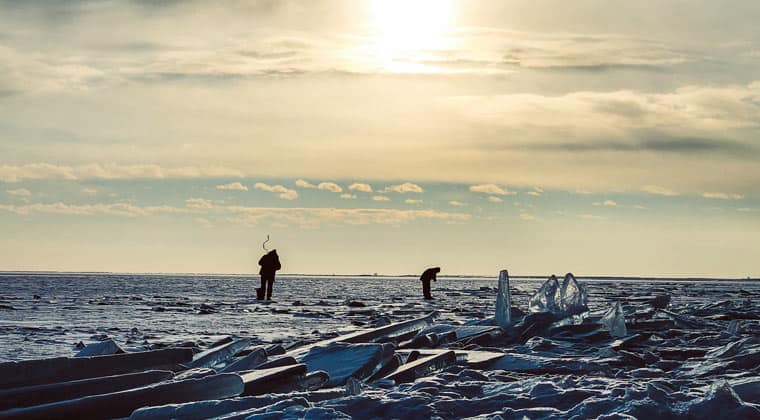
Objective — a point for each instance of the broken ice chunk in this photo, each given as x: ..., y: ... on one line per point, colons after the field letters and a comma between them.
x: 573, y: 296
x: 344, y: 360
x: 503, y: 301
x: 614, y: 320
x: 544, y: 299
x: 569, y: 299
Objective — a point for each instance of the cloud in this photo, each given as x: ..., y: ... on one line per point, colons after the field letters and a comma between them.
x: 494, y: 199
x: 300, y: 183
x: 492, y: 189
x: 358, y: 186
x: 20, y: 192
x: 315, y: 217
x: 406, y: 187
x: 607, y: 203
x: 412, y: 201
x: 232, y: 186
x: 204, y: 223
x: 199, y: 203
x: 304, y: 217
x: 89, y: 191
x: 380, y: 198
x: 722, y: 196
x: 283, y: 193
x: 527, y: 217
x: 534, y: 193
x: 15, y: 173
x: 663, y: 144
x: 591, y: 217
x: 457, y: 203
x: 706, y: 109
x: 327, y: 186
x: 347, y: 196
x: 111, y: 209
x: 330, y: 186
x: 657, y: 190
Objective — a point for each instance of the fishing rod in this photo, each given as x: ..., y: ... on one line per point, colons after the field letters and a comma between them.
x: 264, y: 245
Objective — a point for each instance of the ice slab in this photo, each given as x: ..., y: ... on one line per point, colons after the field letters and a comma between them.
x: 218, y: 354
x: 475, y: 359
x: 41, y: 394
x: 545, y: 365
x: 261, y: 381
x: 123, y: 403
x: 422, y: 367
x: 344, y: 360
x: 247, y: 362
x: 614, y: 321
x: 62, y: 369
x: 374, y: 335
x: 100, y: 348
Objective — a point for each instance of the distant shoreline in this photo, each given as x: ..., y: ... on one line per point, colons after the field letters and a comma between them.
x: 398, y: 276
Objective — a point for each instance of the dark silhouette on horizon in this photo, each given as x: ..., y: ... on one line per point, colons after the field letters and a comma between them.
x: 270, y: 263
x: 426, y: 277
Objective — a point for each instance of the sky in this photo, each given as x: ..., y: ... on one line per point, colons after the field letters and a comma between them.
x: 595, y: 137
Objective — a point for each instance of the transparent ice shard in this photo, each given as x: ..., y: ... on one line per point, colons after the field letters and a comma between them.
x: 614, y: 320
x: 568, y: 299
x: 544, y: 300
x: 573, y: 296
x: 503, y: 301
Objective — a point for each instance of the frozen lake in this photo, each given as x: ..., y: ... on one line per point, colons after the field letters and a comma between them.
x: 143, y: 310
x: 699, y: 358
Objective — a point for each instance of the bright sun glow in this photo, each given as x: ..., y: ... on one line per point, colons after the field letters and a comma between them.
x: 406, y: 32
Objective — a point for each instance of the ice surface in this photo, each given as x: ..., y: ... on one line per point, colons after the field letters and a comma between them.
x: 664, y: 368
x: 614, y: 320
x: 503, y: 301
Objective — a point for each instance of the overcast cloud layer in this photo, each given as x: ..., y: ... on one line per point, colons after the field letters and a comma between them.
x: 366, y: 106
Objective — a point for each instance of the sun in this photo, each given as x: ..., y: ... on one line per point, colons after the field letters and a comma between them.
x: 405, y: 33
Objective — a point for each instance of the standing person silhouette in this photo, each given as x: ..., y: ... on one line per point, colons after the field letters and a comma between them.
x: 426, y: 277
x: 270, y: 263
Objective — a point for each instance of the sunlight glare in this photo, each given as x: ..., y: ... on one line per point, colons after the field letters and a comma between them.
x: 408, y: 31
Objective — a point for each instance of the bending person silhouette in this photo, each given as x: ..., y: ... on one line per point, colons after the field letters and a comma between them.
x: 426, y: 277
x: 269, y: 263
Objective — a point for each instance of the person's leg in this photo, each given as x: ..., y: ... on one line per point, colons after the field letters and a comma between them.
x: 270, y: 284
x: 426, y: 289
x: 260, y: 295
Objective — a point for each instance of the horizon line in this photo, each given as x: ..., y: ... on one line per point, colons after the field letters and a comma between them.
x: 483, y: 276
